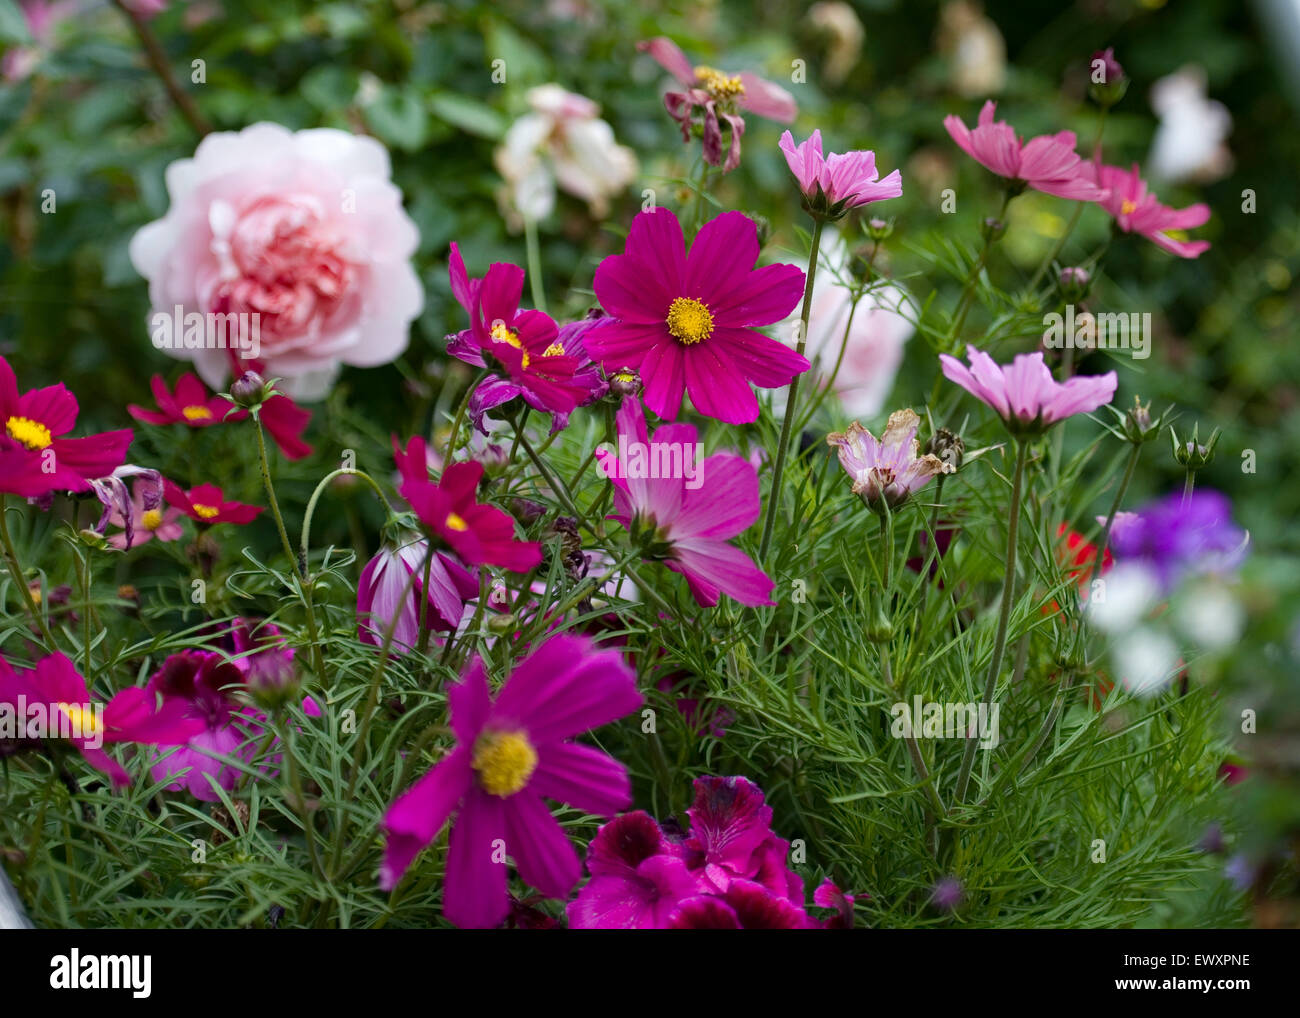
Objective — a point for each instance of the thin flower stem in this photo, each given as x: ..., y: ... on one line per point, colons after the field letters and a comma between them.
x: 460, y: 417
x: 783, y: 447
x: 1189, y: 486
x: 1016, y: 768
x: 16, y: 574
x: 534, y: 264
x: 968, y: 291
x: 1004, y: 613
x: 85, y: 610
x: 1133, y: 458
x: 153, y: 52
x: 305, y: 543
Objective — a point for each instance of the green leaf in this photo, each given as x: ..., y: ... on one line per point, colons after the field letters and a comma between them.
x: 469, y: 115
x: 13, y: 26
x: 399, y: 119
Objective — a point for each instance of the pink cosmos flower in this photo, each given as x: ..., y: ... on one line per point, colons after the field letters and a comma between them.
x: 203, y: 687
x: 535, y: 359
x: 1047, y: 163
x: 687, y: 525
x: 206, y: 504
x: 304, y: 230
x: 193, y: 406
x: 1137, y: 210
x: 1024, y: 393
x: 511, y: 753
x: 148, y: 519
x: 687, y: 322
x: 717, y: 98
x: 35, y: 458
x: 382, y: 593
x: 887, y: 472
x: 130, y: 716
x: 479, y: 534
x: 839, y: 182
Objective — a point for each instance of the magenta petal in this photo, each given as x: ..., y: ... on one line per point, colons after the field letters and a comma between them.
x: 583, y: 777
x: 729, y: 821
x: 716, y: 386
x: 542, y: 852
x: 470, y: 703
x: 725, y: 505
x: 416, y: 817
x: 474, y: 893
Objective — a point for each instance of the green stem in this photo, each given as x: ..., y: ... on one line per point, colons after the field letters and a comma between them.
x: 968, y: 291
x: 1004, y: 613
x: 534, y: 265
x: 16, y: 573
x: 783, y: 447
x: 1102, y: 545
x: 1189, y: 485
x: 305, y: 543
x: 460, y: 417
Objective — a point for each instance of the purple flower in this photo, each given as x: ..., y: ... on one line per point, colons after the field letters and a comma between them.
x: 886, y: 472
x: 833, y: 184
x: 1024, y: 393
x: 744, y: 906
x: 1175, y: 538
x: 947, y: 894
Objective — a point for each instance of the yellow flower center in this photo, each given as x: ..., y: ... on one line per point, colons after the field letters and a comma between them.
x: 151, y: 518
x: 206, y: 511
x: 30, y: 433
x: 454, y: 522
x: 504, y: 761
x: 503, y: 334
x: 556, y: 349
x: 689, y: 321
x: 196, y: 413
x: 1127, y: 208
x: 82, y: 717
x: 718, y: 84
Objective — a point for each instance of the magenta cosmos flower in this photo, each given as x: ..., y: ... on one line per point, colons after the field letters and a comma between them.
x: 687, y: 322
x: 1024, y: 393
x: 511, y: 753
x: 58, y: 689
x: 685, y: 508
x: 885, y: 473
x: 833, y: 184
x: 207, y: 504
x: 299, y: 232
x: 391, y: 587
x: 712, y: 98
x: 1047, y: 163
x: 35, y: 458
x: 193, y: 406
x: 536, y: 361
x: 479, y: 534
x: 1137, y: 210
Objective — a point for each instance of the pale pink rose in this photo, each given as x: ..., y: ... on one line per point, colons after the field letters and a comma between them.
x: 303, y: 229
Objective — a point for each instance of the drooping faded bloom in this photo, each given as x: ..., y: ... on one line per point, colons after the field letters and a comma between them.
x: 511, y: 752
x: 35, y: 458
x: 561, y: 140
x: 834, y: 184
x: 1047, y: 163
x: 145, y: 518
x: 116, y: 499
x: 301, y: 234
x: 1137, y: 210
x: 685, y: 509
x: 1024, y: 393
x: 392, y: 588
x: 885, y: 473
x: 713, y: 98
x: 687, y: 323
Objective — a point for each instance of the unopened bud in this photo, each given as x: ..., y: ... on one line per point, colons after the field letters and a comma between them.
x: 249, y: 390
x: 625, y: 383
x: 879, y: 229
x: 1074, y: 282
x: 948, y: 447
x: 992, y: 229
x: 1107, y: 77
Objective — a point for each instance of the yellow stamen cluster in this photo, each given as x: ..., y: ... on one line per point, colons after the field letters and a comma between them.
x: 30, y: 433
x: 504, y: 762
x: 206, y: 511
x: 151, y: 518
x: 718, y: 84
x: 454, y: 522
x: 689, y: 320
x: 501, y: 333
x: 556, y: 349
x: 196, y: 413
x: 82, y: 717
x: 1127, y: 208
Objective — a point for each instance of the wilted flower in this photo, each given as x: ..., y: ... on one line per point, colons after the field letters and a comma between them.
x: 119, y: 506
x: 885, y: 473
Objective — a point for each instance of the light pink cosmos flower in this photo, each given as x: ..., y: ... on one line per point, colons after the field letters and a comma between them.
x: 1137, y: 210
x: 886, y: 472
x: 1024, y: 393
x: 833, y: 184
x: 383, y: 593
x: 1047, y: 163
x: 303, y: 229
x: 687, y: 526
x: 720, y: 98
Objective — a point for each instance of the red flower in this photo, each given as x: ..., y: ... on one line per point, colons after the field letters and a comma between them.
x: 192, y: 406
x: 477, y: 533
x: 34, y: 457
x: 207, y: 504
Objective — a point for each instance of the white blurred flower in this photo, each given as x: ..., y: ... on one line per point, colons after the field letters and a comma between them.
x: 1123, y: 597
x: 563, y: 142
x: 1146, y: 660
x: 1189, y: 143
x: 1209, y: 615
x: 976, y: 51
x: 881, y: 325
x: 840, y: 26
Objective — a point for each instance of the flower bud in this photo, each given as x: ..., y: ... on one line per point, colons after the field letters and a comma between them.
x: 249, y: 390
x: 502, y: 624
x: 879, y: 229
x: 948, y: 447
x: 272, y: 678
x: 1192, y: 454
x: 1073, y: 282
x: 993, y: 230
x: 1107, y: 77
x: 625, y: 383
